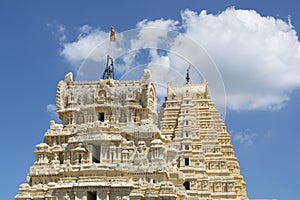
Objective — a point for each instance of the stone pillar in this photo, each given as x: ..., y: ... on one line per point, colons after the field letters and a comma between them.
x: 76, y: 196
x: 84, y: 196
x: 99, y: 195
x: 107, y: 195
x: 102, y: 194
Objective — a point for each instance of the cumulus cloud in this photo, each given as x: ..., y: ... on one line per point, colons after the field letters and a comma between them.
x: 86, y: 43
x: 58, y: 30
x: 258, y: 57
x: 51, y: 110
x: 245, y: 137
x: 150, y: 33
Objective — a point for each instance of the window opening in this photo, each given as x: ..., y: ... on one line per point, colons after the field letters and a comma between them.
x: 96, y: 154
x: 101, y: 117
x: 187, y: 186
x: 91, y: 195
x: 186, y: 161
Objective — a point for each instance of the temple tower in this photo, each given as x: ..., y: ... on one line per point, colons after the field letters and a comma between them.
x: 197, y: 131
x: 112, y: 144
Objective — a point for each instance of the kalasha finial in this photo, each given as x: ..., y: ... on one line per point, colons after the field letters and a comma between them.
x: 188, y: 75
x: 109, y: 69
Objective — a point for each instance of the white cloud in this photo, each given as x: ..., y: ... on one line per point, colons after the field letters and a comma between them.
x: 85, y: 46
x: 85, y: 29
x: 59, y: 31
x: 258, y: 57
x: 245, y: 137
x: 51, y: 110
x: 152, y: 32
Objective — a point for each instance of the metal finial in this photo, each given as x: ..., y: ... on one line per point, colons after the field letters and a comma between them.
x: 109, y: 68
x: 188, y: 75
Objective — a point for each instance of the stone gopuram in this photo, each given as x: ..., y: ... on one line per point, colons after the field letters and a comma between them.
x: 112, y: 144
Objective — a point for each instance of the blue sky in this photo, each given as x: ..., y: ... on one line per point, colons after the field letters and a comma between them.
x: 265, y: 132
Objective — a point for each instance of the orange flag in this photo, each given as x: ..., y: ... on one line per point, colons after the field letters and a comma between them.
x: 112, y: 34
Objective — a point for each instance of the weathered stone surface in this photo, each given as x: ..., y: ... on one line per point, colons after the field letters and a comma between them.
x: 112, y: 144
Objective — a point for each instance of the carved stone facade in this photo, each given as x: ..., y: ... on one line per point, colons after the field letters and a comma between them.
x: 112, y: 144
